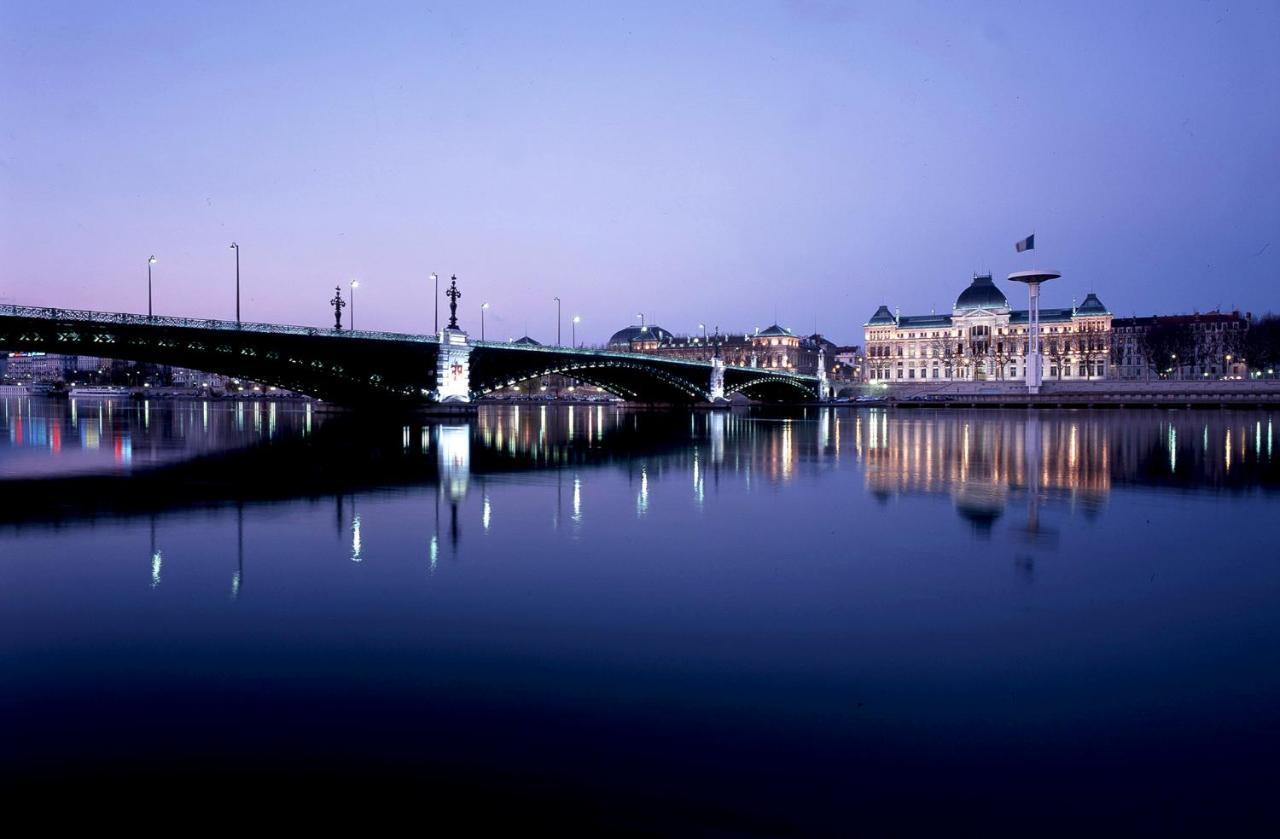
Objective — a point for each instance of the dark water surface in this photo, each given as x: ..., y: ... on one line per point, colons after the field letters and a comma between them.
x: 828, y: 621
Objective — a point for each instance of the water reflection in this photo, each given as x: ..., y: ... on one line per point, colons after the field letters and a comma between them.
x: 984, y: 461
x: 868, y: 582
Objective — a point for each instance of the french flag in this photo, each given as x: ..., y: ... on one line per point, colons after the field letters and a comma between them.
x: 1026, y: 244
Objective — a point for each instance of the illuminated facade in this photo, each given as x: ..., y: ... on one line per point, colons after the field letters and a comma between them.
x: 984, y: 339
x: 775, y: 348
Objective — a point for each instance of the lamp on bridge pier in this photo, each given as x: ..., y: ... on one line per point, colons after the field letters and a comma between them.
x: 573, y: 330
x: 338, y: 304
x: 355, y: 284
x: 483, y: 306
x: 453, y: 294
x: 557, y: 299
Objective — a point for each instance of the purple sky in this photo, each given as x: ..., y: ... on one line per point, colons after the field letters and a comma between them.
x: 716, y: 163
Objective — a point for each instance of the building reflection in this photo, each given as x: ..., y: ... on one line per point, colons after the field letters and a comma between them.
x: 985, y: 462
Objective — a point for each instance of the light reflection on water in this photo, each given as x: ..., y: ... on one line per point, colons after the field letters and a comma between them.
x: 877, y: 601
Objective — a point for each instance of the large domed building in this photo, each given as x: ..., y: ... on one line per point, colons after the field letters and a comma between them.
x: 983, y: 338
x: 643, y: 338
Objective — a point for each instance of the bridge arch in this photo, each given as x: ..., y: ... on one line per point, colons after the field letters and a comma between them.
x: 633, y: 380
x: 772, y: 388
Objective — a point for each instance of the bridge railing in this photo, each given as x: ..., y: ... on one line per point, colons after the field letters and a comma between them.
x: 122, y: 318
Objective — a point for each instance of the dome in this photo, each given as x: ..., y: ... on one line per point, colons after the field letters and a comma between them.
x: 651, y: 332
x: 882, y: 317
x: 1091, y: 306
x: 982, y: 294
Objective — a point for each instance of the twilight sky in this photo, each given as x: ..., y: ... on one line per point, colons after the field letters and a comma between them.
x: 711, y: 162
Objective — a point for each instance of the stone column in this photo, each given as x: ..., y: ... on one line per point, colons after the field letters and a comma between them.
x: 824, y: 387
x: 453, y: 367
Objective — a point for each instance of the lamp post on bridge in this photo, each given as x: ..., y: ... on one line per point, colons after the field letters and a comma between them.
x: 483, y: 306
x: 151, y: 260
x: 338, y: 304
x: 557, y: 299
x: 573, y: 331
x: 435, y: 278
x: 355, y: 284
x: 236, y: 248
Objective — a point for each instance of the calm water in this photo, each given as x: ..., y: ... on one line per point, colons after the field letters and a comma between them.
x: 822, y: 621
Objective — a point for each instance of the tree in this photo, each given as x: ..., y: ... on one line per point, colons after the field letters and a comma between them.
x: 1168, y: 345
x: 1095, y: 348
x: 1056, y: 348
x: 1262, y: 344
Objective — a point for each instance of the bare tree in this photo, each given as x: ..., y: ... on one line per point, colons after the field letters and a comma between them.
x: 1057, y: 348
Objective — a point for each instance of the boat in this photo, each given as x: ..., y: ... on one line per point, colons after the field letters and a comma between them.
x: 99, y: 392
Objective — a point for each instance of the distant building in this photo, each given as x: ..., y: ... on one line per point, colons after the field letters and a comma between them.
x: 776, y: 347
x: 1195, y: 346
x: 984, y: 339
x: 36, y: 366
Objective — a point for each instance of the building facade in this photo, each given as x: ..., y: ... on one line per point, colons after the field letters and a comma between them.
x: 1196, y: 346
x: 984, y: 339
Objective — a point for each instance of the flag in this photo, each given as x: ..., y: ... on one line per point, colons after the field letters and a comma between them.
x: 1026, y: 244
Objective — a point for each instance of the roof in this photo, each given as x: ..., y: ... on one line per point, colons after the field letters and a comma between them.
x: 1203, y: 317
x: 882, y: 317
x: 1092, y: 306
x: 1047, y: 315
x: 649, y: 332
x: 982, y: 294
x: 526, y: 341
x: 923, y: 321
x: 776, y: 331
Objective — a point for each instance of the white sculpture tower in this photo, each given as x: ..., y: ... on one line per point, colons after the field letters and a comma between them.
x: 1033, y: 279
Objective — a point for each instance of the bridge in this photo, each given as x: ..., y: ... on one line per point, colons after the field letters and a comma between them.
x: 359, y: 368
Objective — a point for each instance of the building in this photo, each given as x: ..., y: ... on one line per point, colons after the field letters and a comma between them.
x: 38, y: 366
x: 984, y: 339
x: 1196, y: 346
x: 775, y: 347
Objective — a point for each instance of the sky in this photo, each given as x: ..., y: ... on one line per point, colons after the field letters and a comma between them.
x: 729, y: 163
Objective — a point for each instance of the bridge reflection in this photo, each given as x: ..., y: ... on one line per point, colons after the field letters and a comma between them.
x: 985, y: 462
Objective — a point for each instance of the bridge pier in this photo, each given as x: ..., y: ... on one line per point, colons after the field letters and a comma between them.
x: 716, y: 391
x: 453, y: 368
x: 824, y: 386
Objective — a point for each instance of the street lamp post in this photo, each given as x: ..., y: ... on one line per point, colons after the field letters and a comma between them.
x: 355, y: 284
x: 557, y: 299
x: 483, y: 306
x: 236, y: 248
x: 150, y: 261
x: 574, y: 330
x: 435, y: 278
